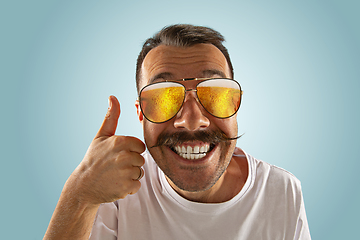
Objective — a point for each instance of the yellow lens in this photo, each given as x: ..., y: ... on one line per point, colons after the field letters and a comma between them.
x: 221, y: 99
x: 161, y: 101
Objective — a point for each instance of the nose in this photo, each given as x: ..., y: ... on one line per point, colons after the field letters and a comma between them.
x: 191, y: 114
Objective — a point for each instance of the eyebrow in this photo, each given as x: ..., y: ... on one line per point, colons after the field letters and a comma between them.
x: 208, y: 73
x: 163, y: 75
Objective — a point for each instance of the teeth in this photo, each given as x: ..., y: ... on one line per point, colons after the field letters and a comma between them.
x: 189, y: 152
x: 183, y: 149
x: 196, y: 149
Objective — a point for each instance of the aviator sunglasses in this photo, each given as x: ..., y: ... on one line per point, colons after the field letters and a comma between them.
x: 161, y: 101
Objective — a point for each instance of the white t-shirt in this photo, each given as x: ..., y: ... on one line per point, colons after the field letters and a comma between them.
x: 269, y: 206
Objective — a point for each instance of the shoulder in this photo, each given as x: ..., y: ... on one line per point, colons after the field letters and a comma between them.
x: 273, y: 180
x: 274, y: 173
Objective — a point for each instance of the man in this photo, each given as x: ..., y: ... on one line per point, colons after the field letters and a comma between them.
x: 192, y: 182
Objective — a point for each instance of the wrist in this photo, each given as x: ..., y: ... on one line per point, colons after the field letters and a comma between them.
x: 72, y: 218
x: 74, y: 193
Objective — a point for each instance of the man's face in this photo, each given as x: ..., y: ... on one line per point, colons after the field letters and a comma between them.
x: 174, y: 63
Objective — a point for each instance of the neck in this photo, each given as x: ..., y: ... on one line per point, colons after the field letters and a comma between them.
x: 211, y: 195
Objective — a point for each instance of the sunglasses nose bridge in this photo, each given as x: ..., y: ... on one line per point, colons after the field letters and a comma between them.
x: 190, y: 90
x: 194, y: 94
x: 191, y: 115
x: 191, y: 95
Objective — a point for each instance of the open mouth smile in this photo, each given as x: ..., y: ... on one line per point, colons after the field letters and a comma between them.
x: 194, y: 151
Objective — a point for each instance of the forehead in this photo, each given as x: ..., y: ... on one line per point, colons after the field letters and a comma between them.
x: 172, y: 63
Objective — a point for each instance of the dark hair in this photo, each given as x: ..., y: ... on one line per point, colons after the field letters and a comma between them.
x: 182, y: 35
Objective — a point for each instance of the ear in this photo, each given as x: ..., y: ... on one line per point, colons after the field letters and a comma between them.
x: 138, y: 111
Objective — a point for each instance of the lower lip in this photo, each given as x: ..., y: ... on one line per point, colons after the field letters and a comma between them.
x: 194, y: 161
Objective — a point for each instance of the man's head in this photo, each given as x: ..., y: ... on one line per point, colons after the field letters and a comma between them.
x: 183, y: 52
x: 182, y: 35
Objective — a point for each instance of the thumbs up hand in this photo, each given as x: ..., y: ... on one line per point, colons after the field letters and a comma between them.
x: 111, y: 167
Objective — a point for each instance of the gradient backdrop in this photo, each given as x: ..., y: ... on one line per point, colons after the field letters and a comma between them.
x: 297, y: 61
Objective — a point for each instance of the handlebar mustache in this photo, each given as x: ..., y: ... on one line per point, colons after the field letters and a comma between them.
x: 173, y: 139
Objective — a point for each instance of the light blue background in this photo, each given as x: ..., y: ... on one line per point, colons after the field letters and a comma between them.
x: 297, y: 61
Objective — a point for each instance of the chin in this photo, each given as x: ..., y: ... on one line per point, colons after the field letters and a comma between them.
x: 197, y: 174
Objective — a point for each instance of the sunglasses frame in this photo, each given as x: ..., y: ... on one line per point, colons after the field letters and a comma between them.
x: 190, y: 90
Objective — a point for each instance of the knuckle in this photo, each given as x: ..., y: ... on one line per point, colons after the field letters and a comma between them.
x: 122, y: 195
x: 136, y: 187
x: 142, y: 160
x: 119, y: 140
x: 130, y: 187
x: 123, y: 157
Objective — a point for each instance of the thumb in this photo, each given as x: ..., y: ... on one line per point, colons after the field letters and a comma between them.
x: 110, y: 122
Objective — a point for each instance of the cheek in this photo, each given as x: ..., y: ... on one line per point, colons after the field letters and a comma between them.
x: 152, y: 131
x: 229, y: 126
